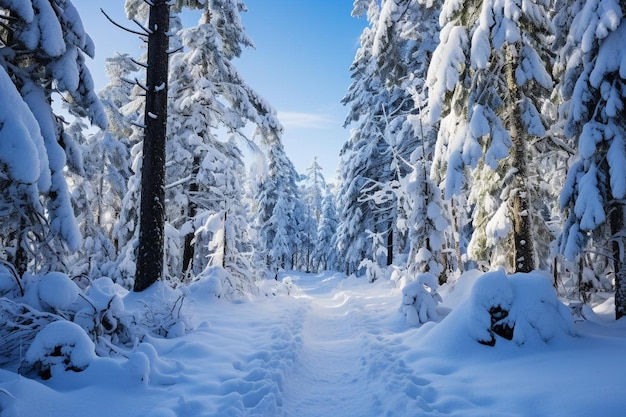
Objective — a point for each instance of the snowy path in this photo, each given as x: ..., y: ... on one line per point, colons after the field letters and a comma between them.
x: 329, y: 376
x: 344, y: 366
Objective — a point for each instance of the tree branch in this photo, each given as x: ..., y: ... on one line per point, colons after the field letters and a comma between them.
x: 141, y: 64
x: 122, y: 27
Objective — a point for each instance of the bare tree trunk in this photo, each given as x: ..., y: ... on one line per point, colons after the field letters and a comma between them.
x: 152, y: 210
x: 188, y: 248
x: 390, y: 244
x: 21, y: 255
x: 225, y: 245
x: 192, y: 210
x: 616, y: 219
x: 457, y: 237
x: 522, y: 222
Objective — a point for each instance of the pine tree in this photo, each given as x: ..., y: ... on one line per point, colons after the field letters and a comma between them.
x: 209, y: 97
x: 325, y: 254
x: 594, y: 190
x: 277, y: 237
x: 313, y: 191
x: 488, y: 78
x: 43, y: 45
x: 366, y: 159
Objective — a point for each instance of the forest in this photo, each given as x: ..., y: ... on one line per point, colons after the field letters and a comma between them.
x: 482, y: 135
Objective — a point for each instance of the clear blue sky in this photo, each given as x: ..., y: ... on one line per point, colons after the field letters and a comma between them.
x: 304, y: 49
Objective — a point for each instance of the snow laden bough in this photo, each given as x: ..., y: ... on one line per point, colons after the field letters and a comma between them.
x: 522, y: 307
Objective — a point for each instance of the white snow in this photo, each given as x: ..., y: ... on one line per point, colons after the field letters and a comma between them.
x: 338, y: 347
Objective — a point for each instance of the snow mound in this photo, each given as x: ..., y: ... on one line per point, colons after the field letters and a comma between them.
x: 211, y: 283
x: 59, y: 347
x: 420, y: 299
x: 58, y: 291
x: 522, y: 307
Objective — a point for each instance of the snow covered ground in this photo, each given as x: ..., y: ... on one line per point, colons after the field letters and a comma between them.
x: 325, y: 345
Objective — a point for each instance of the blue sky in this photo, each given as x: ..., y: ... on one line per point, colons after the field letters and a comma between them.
x: 304, y: 49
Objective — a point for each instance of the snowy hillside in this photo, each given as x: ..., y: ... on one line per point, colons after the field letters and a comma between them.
x: 324, y: 345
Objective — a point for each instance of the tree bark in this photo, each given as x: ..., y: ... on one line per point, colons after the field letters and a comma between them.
x: 616, y: 219
x: 192, y: 210
x: 522, y: 222
x: 152, y: 209
x: 390, y: 245
x: 457, y: 237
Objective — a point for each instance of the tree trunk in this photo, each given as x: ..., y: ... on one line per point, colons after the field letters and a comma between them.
x: 152, y: 209
x: 522, y: 222
x: 21, y: 255
x: 616, y: 219
x: 192, y: 210
x: 225, y: 245
x: 390, y: 245
x: 457, y: 237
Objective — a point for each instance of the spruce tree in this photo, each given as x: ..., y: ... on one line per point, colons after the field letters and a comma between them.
x: 487, y: 79
x: 43, y: 47
x: 594, y: 191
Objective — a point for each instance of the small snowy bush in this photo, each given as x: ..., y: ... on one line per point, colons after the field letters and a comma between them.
x: 522, y: 307
x: 104, y: 317
x: 420, y: 299
x: 373, y: 271
x: 158, y: 310
x: 59, y: 347
x: 274, y: 287
x: 57, y: 291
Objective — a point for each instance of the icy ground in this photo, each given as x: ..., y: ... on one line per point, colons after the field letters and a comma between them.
x: 329, y: 346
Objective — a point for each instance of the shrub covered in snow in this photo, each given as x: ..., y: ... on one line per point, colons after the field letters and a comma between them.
x: 59, y: 347
x: 420, y: 299
x: 108, y: 316
x: 521, y: 307
x: 103, y: 316
x: 158, y: 310
x: 57, y: 291
x: 373, y: 271
x: 278, y: 286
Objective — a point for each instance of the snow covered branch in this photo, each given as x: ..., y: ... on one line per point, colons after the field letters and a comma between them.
x: 134, y: 32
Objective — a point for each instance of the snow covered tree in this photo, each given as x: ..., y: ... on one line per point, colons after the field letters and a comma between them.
x: 210, y: 105
x: 487, y: 79
x: 325, y: 254
x: 595, y: 188
x: 207, y: 99
x: 277, y: 237
x: 314, y: 189
x: 427, y: 222
x: 377, y: 107
x: 42, y: 48
x: 388, y: 89
x: 98, y: 195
